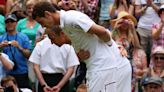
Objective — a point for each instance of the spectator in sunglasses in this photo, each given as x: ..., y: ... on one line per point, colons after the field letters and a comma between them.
x: 157, y: 68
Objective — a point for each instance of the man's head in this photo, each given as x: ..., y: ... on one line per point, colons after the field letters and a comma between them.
x: 45, y: 14
x: 58, y: 37
x: 9, y: 83
x: 152, y: 84
x: 158, y: 56
x: 29, y: 7
x: 11, y: 22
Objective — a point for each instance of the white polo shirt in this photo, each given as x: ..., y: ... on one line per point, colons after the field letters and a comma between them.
x: 75, y: 24
x: 52, y: 58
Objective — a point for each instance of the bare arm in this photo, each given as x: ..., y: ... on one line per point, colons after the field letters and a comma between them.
x: 64, y: 80
x: 139, y: 10
x: 131, y: 9
x: 39, y: 74
x: 26, y: 52
x: 101, y: 32
x: 6, y: 63
x: 156, y: 32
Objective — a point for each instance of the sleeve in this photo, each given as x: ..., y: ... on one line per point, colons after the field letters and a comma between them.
x: 36, y: 55
x: 26, y: 42
x: 7, y: 58
x: 72, y: 59
x: 1, y: 38
x: 84, y: 22
x: 39, y: 32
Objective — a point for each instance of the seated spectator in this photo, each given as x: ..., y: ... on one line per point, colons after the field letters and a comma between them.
x: 82, y: 88
x: 152, y: 84
x: 10, y: 85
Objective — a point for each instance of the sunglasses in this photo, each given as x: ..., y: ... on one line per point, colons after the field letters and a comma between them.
x: 9, y: 21
x: 158, y: 57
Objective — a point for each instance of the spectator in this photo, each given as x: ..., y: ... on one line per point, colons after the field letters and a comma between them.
x: 147, y: 11
x: 124, y: 32
x: 10, y: 85
x: 157, y: 69
x: 158, y: 31
x: 18, y: 50
x: 54, y: 70
x: 152, y: 84
x: 88, y: 36
x: 67, y: 4
x: 29, y: 26
x: 88, y: 7
x: 120, y: 5
x: 104, y: 16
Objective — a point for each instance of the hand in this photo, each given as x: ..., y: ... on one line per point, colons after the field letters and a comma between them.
x: 15, y: 43
x: 123, y: 51
x: 4, y: 44
x: 47, y: 89
x: 83, y: 55
x: 118, y: 24
x: 56, y: 89
x: 131, y: 24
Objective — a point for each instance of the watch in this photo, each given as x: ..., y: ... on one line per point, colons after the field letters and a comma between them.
x: 42, y: 86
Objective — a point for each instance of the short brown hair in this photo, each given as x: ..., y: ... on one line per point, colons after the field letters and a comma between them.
x: 82, y: 86
x: 41, y: 7
x: 7, y: 79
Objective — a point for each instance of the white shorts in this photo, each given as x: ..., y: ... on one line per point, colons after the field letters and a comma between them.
x: 110, y: 80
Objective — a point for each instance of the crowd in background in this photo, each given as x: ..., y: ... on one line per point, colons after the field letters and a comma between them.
x: 136, y: 25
